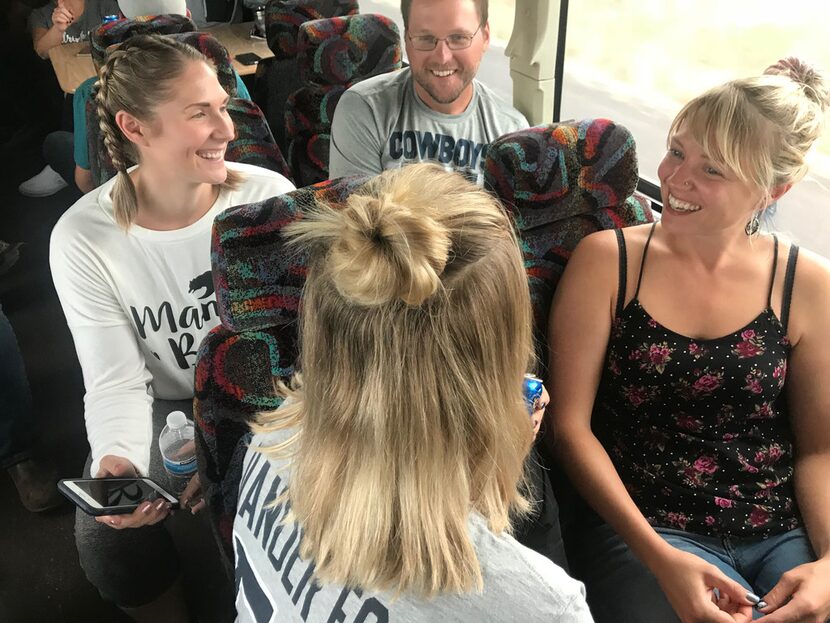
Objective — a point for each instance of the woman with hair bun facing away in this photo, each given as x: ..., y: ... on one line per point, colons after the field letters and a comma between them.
x: 690, y: 404
x: 131, y: 265
x: 385, y: 485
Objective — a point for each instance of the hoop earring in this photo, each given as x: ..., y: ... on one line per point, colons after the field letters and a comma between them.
x: 753, y: 224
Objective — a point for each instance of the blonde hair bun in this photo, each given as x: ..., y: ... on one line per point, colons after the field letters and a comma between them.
x: 387, y: 251
x: 812, y: 81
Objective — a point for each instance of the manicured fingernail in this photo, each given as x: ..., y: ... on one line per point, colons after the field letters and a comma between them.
x: 761, y: 605
x: 146, y: 508
x: 113, y: 522
x: 753, y: 598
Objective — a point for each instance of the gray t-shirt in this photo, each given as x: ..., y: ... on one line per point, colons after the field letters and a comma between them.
x: 381, y: 123
x: 273, y: 583
x: 89, y: 20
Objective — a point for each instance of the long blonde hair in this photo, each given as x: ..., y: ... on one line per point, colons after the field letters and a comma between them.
x: 416, y: 332
x: 761, y: 128
x: 138, y: 76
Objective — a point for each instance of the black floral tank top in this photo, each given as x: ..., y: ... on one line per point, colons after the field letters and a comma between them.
x: 698, y: 429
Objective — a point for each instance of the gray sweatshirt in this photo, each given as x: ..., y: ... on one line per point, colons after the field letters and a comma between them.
x: 274, y: 583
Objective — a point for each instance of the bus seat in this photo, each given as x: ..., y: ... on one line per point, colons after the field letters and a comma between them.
x: 253, y: 143
x: 333, y: 54
x: 562, y: 182
x: 283, y: 19
x: 258, y: 289
x: 120, y: 30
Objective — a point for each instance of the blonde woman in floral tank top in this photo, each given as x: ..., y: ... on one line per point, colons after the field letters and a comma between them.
x: 690, y: 408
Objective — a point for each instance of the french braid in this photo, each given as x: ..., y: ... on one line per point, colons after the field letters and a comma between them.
x: 124, y: 198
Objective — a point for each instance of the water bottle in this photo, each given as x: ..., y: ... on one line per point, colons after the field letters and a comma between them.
x: 178, y: 450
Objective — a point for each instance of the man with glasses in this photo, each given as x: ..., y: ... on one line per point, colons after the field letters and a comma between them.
x: 434, y: 110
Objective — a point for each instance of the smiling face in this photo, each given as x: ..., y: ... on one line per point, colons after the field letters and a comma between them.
x: 188, y: 134
x: 700, y: 195
x: 443, y: 77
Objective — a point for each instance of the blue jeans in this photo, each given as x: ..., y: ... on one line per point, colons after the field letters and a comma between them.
x: 16, y: 429
x: 754, y: 562
x: 621, y: 589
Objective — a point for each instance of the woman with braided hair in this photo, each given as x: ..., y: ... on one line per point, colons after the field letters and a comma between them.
x: 131, y: 265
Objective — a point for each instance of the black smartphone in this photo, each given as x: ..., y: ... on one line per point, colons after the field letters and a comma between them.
x: 248, y: 58
x: 113, y: 496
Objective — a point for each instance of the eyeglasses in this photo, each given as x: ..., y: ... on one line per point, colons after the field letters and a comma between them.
x: 427, y: 43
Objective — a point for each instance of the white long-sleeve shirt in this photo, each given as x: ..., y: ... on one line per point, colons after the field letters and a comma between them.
x: 138, y: 304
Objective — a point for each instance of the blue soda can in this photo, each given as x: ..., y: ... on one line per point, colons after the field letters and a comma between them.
x: 532, y: 391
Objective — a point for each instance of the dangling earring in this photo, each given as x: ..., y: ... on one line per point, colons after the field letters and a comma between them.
x: 753, y: 224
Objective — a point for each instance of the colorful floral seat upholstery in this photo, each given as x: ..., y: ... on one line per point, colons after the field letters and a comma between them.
x: 120, y: 30
x: 562, y: 182
x: 283, y: 19
x: 258, y: 289
x: 333, y: 55
x: 253, y: 144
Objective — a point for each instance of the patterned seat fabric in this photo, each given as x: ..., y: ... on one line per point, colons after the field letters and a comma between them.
x: 253, y: 144
x: 120, y: 30
x: 333, y: 55
x: 258, y: 290
x: 562, y: 182
x: 283, y: 19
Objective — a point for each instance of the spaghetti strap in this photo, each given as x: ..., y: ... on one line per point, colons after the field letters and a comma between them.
x: 774, y: 270
x: 623, y: 274
x: 789, y: 279
x: 643, y: 259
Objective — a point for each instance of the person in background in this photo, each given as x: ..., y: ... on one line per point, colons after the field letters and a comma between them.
x: 55, y: 23
x: 690, y: 407
x: 36, y: 484
x: 131, y: 266
x: 67, y: 21
x: 434, y: 110
x: 400, y: 450
x: 67, y: 153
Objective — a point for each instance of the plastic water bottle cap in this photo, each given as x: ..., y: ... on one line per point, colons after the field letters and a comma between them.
x: 176, y: 419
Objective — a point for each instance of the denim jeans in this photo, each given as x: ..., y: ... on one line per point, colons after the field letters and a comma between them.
x: 621, y: 589
x: 754, y: 562
x: 16, y: 428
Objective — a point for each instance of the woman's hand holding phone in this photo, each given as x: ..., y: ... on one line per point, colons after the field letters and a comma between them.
x: 147, y: 513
